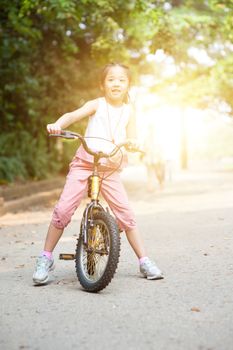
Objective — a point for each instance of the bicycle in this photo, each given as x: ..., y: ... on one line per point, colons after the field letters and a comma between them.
x: 98, y: 245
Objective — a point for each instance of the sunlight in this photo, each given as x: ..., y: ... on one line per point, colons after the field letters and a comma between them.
x: 196, y: 126
x: 164, y: 120
x: 170, y: 124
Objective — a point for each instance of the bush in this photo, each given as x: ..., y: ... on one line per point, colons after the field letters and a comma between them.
x: 24, y: 157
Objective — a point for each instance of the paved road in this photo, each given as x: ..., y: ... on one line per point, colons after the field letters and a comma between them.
x: 188, y: 230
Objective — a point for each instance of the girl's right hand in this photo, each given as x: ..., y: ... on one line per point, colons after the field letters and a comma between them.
x: 54, y: 128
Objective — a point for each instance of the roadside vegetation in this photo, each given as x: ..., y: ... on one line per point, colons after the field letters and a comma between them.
x: 51, y: 52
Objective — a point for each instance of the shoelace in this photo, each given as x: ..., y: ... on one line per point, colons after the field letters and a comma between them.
x: 42, y: 263
x: 149, y: 263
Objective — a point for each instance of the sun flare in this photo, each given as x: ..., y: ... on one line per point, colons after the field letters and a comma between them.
x: 171, y: 125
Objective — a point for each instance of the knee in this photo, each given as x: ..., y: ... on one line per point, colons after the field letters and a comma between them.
x: 126, y: 222
x: 61, y: 217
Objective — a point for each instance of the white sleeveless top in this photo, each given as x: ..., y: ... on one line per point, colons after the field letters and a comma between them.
x: 108, y: 123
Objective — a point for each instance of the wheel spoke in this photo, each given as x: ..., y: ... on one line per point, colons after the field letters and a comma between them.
x: 95, y: 258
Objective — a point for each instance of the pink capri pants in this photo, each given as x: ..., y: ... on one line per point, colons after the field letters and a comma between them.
x: 75, y: 187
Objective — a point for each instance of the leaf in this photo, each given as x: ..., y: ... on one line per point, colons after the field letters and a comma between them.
x: 195, y: 309
x: 20, y: 266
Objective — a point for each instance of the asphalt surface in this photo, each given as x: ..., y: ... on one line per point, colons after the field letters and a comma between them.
x: 187, y: 229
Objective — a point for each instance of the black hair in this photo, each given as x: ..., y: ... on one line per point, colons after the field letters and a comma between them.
x: 105, y: 70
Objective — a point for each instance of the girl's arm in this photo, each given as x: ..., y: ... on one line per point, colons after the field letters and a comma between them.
x: 67, y: 119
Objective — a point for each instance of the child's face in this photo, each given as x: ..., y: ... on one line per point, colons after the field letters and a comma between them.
x: 116, y: 84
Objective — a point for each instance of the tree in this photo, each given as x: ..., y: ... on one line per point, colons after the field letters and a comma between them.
x: 51, y: 53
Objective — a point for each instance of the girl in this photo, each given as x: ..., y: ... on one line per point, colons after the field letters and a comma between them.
x: 110, y: 117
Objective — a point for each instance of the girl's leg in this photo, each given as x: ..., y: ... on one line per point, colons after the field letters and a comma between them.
x: 114, y: 193
x: 136, y: 242
x: 74, y: 189
x: 116, y: 196
x: 53, y: 236
x: 71, y: 196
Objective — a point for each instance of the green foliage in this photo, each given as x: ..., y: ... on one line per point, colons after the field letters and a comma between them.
x: 205, y: 26
x: 51, y: 52
x: 50, y: 56
x: 11, y: 169
x: 23, y: 157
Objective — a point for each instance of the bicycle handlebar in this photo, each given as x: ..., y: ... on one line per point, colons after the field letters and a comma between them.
x: 73, y: 135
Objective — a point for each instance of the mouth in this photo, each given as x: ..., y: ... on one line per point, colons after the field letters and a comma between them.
x: 116, y: 91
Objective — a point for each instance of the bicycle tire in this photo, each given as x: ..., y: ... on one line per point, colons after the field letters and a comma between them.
x: 106, y: 229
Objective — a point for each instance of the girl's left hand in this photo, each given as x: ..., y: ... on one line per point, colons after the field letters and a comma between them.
x: 133, y: 145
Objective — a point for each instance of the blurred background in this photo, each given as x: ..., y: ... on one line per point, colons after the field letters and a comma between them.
x: 181, y: 56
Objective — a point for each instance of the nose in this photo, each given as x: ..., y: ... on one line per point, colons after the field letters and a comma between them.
x: 116, y: 82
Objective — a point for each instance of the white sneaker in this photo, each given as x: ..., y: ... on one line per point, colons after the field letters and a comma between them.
x: 150, y: 271
x: 43, y: 266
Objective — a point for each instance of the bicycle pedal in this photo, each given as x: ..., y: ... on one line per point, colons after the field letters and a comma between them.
x: 66, y: 256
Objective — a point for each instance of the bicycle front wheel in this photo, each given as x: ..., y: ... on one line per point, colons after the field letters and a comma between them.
x: 96, y: 262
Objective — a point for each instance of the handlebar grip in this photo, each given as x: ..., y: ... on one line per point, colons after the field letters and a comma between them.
x: 66, y: 134
x: 63, y: 136
x: 137, y: 150
x: 129, y: 147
